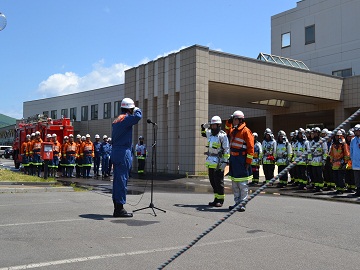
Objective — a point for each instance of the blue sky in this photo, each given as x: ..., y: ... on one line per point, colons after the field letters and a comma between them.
x: 52, y: 48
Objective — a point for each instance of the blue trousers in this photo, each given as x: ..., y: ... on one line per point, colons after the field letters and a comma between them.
x: 122, y: 160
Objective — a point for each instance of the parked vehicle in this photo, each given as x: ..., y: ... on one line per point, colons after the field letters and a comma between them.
x: 8, y: 152
x: 3, y: 148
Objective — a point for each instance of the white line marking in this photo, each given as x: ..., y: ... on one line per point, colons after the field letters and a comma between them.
x: 140, y: 252
x: 40, y: 222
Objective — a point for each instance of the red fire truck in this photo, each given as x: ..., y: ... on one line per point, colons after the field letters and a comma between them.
x: 61, y: 127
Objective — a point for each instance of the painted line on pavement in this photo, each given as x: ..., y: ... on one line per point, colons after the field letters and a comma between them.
x: 40, y: 222
x: 140, y: 252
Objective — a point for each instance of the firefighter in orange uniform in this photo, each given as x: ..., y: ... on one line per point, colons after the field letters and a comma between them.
x: 339, y: 156
x: 63, y: 162
x: 87, y: 155
x: 24, y: 152
x: 56, y: 156
x: 78, y: 161
x: 71, y: 150
x: 241, y: 155
x: 35, y: 153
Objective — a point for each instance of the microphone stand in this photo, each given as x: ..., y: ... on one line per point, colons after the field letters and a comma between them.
x: 153, y: 158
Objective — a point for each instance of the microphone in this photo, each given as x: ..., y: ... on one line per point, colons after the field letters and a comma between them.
x: 151, y: 122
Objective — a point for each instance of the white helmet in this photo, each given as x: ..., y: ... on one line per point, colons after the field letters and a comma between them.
x: 54, y: 135
x: 127, y: 103
x: 238, y: 114
x: 109, y: 139
x: 215, y: 120
x: 87, y: 136
x: 71, y: 135
x: 255, y: 135
x: 292, y: 133
x: 357, y: 127
x: 37, y: 133
x: 282, y: 133
x: 105, y: 137
x: 83, y: 138
x: 33, y: 134
x: 317, y: 129
x: 97, y: 136
x: 325, y: 131
x: 28, y: 136
x: 48, y: 135
x: 78, y: 136
x: 66, y: 137
x: 339, y: 133
x: 268, y: 131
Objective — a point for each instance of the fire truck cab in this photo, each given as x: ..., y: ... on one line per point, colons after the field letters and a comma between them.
x: 61, y: 127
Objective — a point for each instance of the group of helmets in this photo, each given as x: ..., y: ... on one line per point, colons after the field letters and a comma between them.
x: 217, y: 120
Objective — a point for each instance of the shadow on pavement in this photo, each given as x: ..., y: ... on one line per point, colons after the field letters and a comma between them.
x: 95, y: 216
x: 202, y: 207
x: 134, y: 222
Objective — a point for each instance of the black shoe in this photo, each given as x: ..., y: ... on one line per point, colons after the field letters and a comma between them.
x: 242, y: 209
x: 318, y: 189
x: 122, y: 213
x: 212, y: 203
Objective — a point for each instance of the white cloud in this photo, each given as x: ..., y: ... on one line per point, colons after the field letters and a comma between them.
x: 70, y: 82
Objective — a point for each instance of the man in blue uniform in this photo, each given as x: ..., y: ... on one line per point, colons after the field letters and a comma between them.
x: 121, y: 155
x: 97, y: 144
x: 105, y: 151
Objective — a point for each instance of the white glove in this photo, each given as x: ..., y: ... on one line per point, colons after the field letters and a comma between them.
x: 206, y: 125
x: 136, y: 109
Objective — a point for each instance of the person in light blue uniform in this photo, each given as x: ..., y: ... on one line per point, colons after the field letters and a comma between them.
x: 105, y: 151
x: 121, y: 155
x: 97, y: 158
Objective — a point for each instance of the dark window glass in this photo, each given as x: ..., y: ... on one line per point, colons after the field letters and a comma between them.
x: 117, y: 108
x: 84, y: 113
x: 310, y: 34
x: 107, y: 110
x: 73, y: 113
x: 343, y: 73
x: 54, y: 114
x: 64, y: 112
x: 94, y: 112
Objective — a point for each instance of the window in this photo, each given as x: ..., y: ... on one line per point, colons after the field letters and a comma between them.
x: 64, y: 112
x: 343, y: 73
x: 117, y: 108
x: 107, y: 110
x: 310, y: 34
x: 84, y: 113
x: 94, y: 112
x: 46, y: 113
x: 285, y: 40
x: 54, y: 114
x: 73, y: 113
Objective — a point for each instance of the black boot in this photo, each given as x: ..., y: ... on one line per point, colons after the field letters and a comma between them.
x: 119, y: 211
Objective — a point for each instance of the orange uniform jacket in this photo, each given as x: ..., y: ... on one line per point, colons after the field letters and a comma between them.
x: 240, y: 138
x: 57, y: 149
x: 87, y: 149
x: 35, y: 146
x: 339, y: 155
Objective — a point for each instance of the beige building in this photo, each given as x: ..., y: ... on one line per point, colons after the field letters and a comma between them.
x: 185, y: 89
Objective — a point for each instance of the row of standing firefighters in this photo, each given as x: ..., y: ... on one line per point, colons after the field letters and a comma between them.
x: 79, y: 154
x: 319, y: 166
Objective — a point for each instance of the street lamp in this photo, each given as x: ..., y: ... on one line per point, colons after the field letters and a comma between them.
x: 2, y: 21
